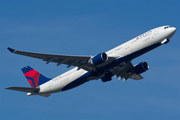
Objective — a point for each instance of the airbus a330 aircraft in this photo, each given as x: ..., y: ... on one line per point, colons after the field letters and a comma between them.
x: 115, y: 62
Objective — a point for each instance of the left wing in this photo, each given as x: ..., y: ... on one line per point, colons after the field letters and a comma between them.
x: 78, y: 61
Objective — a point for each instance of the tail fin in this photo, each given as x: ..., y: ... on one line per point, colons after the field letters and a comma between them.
x: 34, y: 78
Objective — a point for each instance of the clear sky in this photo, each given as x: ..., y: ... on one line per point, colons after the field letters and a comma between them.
x: 88, y: 27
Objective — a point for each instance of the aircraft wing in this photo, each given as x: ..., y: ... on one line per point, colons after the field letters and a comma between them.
x: 23, y: 89
x: 70, y: 60
x: 126, y: 71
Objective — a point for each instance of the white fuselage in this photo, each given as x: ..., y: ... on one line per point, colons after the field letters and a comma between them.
x: 144, y: 43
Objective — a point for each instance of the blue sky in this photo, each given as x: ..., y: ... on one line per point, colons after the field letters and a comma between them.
x: 88, y: 27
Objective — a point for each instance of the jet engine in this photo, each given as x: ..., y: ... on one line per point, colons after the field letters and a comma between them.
x: 141, y: 67
x: 99, y: 58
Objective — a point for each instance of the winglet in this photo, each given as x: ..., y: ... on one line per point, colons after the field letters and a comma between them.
x: 10, y: 49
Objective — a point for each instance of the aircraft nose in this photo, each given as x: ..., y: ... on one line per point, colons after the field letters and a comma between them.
x: 172, y: 30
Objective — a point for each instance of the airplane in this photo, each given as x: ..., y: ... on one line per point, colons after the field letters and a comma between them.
x: 115, y: 62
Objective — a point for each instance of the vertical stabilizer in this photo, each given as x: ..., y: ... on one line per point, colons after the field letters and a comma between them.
x: 34, y: 78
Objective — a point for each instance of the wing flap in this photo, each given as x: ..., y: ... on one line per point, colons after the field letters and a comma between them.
x: 23, y: 89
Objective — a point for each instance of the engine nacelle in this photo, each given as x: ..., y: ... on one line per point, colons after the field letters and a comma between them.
x: 99, y: 58
x: 141, y: 67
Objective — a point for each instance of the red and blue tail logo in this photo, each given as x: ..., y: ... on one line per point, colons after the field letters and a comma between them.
x: 34, y: 78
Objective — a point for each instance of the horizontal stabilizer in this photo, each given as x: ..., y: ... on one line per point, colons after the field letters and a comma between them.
x: 24, y: 89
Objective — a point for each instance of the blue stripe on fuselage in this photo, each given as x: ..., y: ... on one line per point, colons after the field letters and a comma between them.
x: 84, y: 78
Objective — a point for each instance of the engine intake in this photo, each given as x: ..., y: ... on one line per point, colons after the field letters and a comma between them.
x: 141, y: 67
x: 99, y: 58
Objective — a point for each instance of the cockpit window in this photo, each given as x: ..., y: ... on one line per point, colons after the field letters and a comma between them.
x: 167, y: 27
